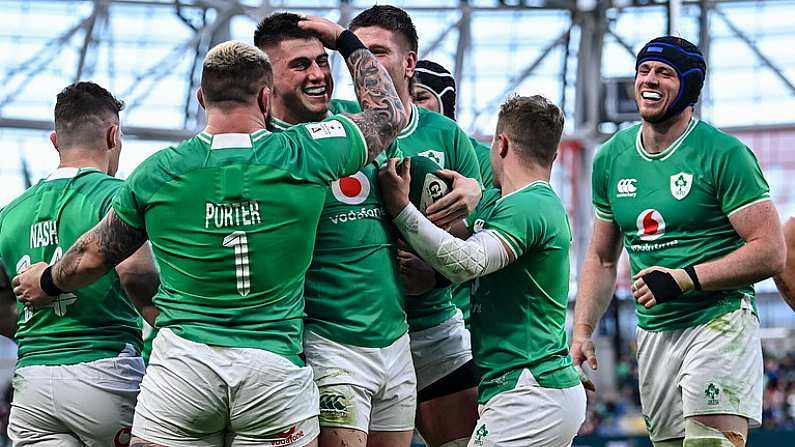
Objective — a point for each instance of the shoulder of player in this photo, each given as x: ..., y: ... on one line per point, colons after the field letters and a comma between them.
x: 718, y: 141
x: 19, y: 200
x: 621, y: 141
x: 537, y: 198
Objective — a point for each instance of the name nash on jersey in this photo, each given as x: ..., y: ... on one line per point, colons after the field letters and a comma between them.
x: 43, y: 234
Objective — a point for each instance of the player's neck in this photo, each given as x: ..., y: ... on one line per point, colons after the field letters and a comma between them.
x: 516, y: 177
x: 405, y: 98
x: 83, y: 158
x: 242, y: 120
x: 283, y: 113
x: 656, y: 137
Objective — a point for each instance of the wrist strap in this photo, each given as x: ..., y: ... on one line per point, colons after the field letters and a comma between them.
x: 662, y: 285
x: 691, y: 272
x: 347, y: 43
x: 47, y: 284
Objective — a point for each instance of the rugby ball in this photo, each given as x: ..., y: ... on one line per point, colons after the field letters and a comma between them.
x: 426, y: 186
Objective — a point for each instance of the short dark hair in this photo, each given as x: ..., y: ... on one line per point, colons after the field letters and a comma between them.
x: 81, y: 109
x: 390, y: 18
x: 534, y: 125
x: 234, y: 72
x: 278, y: 27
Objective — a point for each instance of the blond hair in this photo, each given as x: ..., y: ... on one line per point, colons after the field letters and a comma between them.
x: 533, y: 125
x: 235, y: 72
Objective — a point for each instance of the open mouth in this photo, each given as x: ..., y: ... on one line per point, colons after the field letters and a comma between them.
x: 318, y: 92
x: 649, y: 95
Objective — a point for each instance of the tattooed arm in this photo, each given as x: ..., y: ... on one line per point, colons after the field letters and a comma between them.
x: 92, y: 256
x: 383, y: 114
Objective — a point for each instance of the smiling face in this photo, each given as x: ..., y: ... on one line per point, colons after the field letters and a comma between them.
x: 302, y: 83
x: 656, y: 88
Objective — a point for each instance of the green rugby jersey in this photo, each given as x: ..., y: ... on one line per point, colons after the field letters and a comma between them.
x: 95, y: 322
x: 461, y: 291
x: 232, y: 221
x: 519, y: 312
x: 352, y: 290
x: 673, y: 209
x: 439, y: 138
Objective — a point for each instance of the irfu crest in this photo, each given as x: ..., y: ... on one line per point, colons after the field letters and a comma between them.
x: 680, y: 185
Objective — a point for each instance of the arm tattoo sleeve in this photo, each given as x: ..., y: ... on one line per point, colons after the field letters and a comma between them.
x: 97, y: 252
x: 383, y: 113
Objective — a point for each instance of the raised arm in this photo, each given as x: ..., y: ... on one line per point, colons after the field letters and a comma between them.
x: 93, y: 255
x: 383, y: 114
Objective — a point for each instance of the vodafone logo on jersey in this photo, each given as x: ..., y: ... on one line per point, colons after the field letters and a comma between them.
x: 651, y: 225
x: 352, y: 190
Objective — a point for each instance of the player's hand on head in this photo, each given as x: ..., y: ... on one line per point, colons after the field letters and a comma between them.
x: 327, y: 31
x: 395, y: 182
x: 27, y: 287
x: 458, y: 203
x: 655, y: 285
x: 417, y: 276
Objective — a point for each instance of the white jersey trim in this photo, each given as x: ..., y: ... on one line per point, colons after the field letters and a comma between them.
x: 412, y: 125
x: 62, y: 173
x: 533, y: 183
x: 667, y: 152
x: 602, y: 216
x: 231, y: 140
x: 766, y: 198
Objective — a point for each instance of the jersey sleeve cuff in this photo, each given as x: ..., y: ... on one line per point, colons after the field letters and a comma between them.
x: 601, y: 215
x: 508, y: 240
x: 762, y: 198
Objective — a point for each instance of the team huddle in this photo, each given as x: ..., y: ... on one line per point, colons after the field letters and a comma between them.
x: 302, y: 294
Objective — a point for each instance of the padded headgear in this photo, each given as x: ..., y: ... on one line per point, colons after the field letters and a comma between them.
x: 440, y: 82
x: 688, y: 62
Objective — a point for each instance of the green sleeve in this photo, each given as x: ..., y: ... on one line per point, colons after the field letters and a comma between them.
x: 466, y: 161
x: 599, y: 186
x: 490, y: 197
x: 739, y: 180
x: 516, y: 223
x: 483, y: 152
x: 108, y: 194
x: 127, y: 203
x: 328, y: 150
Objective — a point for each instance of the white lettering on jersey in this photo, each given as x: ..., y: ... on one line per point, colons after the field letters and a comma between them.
x: 326, y: 129
x: 223, y: 215
x: 626, y: 187
x: 43, y: 234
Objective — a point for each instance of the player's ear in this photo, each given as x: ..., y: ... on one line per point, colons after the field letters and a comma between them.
x: 264, y: 100
x: 411, y: 64
x: 54, y: 140
x: 200, y: 97
x: 502, y: 145
x: 113, y: 137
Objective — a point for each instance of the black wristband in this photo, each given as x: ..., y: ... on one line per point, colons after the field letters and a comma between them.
x: 662, y: 285
x: 691, y: 272
x: 347, y: 43
x: 48, y: 285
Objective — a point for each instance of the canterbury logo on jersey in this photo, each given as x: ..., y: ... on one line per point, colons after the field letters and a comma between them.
x: 626, y: 187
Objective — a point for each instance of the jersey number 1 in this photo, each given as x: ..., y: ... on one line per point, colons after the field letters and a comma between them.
x: 239, y: 241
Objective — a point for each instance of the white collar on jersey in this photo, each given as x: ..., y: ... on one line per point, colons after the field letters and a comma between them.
x: 231, y: 140
x: 62, y: 173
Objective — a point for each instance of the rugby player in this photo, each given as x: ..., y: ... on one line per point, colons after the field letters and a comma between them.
x: 692, y: 208
x: 440, y: 343
x: 79, y: 361
x: 231, y: 214
x: 517, y: 253
x: 356, y: 335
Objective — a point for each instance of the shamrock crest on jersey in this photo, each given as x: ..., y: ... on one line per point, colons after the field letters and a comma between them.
x: 680, y: 185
